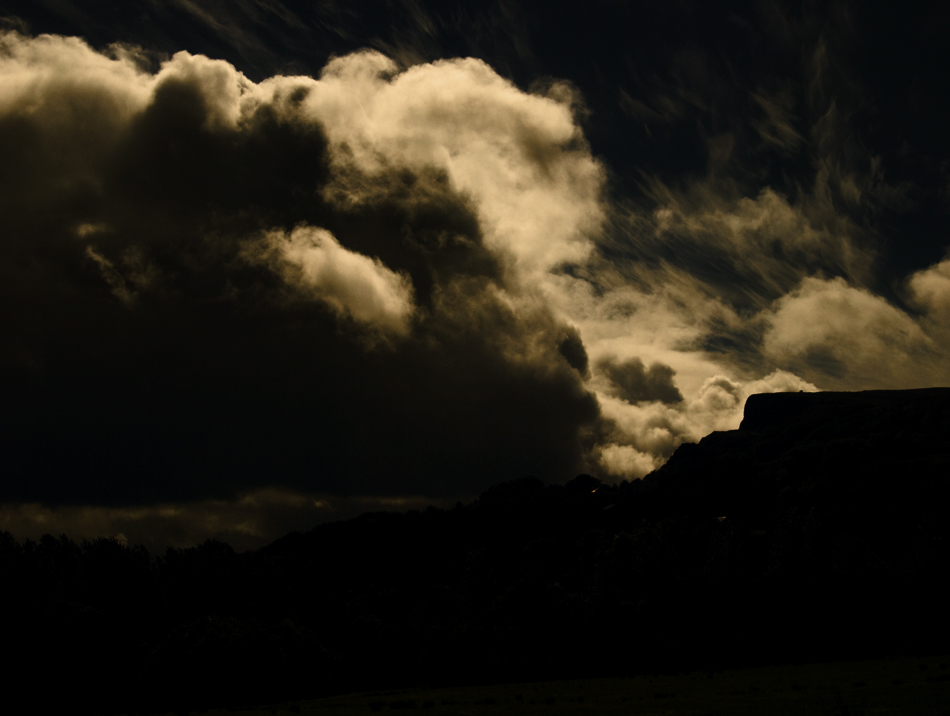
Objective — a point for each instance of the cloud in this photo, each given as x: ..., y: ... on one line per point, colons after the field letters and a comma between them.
x: 930, y: 290
x: 747, y: 251
x: 47, y: 72
x: 777, y: 128
x: 520, y: 157
x: 199, y: 263
x: 628, y: 462
x: 351, y: 284
x: 112, y: 277
x: 856, y: 337
x: 632, y: 381
x: 246, y: 521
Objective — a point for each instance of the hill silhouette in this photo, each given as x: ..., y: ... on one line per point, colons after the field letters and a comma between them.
x: 816, y: 531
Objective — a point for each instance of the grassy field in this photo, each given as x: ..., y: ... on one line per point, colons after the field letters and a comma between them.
x: 917, y: 686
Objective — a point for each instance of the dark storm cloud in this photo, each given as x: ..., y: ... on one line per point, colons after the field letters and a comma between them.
x: 634, y: 382
x: 207, y: 289
x: 572, y: 349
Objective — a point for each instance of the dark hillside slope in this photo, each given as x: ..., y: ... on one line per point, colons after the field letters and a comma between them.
x: 872, y: 450
x: 818, y: 530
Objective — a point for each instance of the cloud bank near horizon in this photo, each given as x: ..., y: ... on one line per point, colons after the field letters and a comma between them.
x: 398, y: 279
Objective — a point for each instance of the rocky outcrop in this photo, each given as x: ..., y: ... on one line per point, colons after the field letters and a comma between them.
x: 840, y: 451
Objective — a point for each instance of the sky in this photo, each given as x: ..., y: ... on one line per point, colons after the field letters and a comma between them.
x: 268, y: 263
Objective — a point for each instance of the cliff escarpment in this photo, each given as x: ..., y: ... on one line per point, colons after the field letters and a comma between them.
x: 886, y: 450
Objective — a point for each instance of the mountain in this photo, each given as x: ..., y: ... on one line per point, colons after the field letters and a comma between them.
x: 885, y: 450
x: 815, y: 531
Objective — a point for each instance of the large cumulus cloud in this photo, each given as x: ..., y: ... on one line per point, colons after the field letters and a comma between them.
x: 213, y: 284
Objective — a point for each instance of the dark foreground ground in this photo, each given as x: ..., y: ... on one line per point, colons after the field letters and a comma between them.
x: 918, y: 686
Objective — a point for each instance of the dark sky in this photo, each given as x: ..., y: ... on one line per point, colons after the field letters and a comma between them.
x: 268, y: 263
